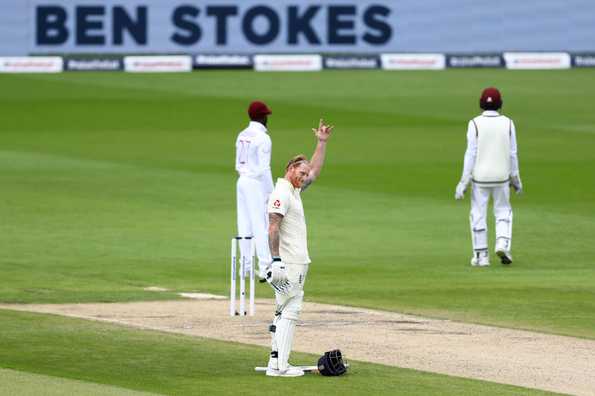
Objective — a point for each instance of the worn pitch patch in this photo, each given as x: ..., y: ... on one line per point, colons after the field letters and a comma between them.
x: 155, y: 289
x: 202, y: 296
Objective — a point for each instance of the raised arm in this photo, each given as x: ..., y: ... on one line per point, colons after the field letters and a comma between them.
x: 322, y: 133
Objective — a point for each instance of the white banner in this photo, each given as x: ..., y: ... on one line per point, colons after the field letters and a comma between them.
x: 159, y: 64
x: 288, y: 62
x: 537, y: 60
x: 31, y: 64
x: 413, y: 61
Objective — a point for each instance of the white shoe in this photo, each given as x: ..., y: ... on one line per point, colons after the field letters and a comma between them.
x: 505, y: 256
x: 480, y: 260
x: 289, y: 372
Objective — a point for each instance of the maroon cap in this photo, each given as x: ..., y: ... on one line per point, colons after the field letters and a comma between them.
x: 490, y: 99
x: 258, y: 110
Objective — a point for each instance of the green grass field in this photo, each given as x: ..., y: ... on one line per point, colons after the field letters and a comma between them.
x: 75, y: 356
x: 115, y: 182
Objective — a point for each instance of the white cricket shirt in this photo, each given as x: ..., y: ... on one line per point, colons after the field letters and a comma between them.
x: 491, y: 156
x: 253, y: 155
x: 286, y: 200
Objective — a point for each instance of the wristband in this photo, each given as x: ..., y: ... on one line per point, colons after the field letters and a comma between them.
x: 276, y: 258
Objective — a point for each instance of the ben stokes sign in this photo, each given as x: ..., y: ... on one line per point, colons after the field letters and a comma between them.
x: 211, y: 26
x: 331, y: 27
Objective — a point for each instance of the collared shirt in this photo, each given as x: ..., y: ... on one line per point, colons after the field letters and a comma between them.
x: 472, y: 145
x: 253, y: 155
x: 286, y: 201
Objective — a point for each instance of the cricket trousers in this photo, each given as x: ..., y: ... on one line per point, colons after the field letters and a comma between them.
x: 480, y: 196
x: 289, y: 307
x: 252, y: 218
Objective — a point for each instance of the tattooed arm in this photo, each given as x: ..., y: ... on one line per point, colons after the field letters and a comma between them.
x: 275, y: 220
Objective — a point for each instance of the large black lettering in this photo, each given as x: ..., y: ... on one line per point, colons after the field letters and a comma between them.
x: 85, y: 24
x: 373, y: 19
x: 336, y: 23
x: 136, y: 28
x: 248, y: 25
x: 301, y: 24
x: 183, y: 19
x: 221, y: 13
x: 51, y: 25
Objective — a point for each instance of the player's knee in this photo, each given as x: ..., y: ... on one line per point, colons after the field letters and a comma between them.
x: 291, y: 314
x: 293, y: 309
x: 503, y: 214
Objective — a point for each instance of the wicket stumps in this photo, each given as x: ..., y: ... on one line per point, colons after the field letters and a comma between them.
x: 246, y: 264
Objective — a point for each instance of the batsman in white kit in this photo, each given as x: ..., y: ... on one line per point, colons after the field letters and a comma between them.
x: 254, y: 185
x: 491, y: 166
x: 288, y: 244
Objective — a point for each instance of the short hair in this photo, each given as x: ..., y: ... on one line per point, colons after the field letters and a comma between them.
x: 296, y: 161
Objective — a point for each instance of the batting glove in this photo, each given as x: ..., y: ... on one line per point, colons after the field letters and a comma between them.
x: 277, y: 276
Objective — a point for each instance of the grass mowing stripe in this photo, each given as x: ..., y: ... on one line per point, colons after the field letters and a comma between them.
x: 171, y: 364
x: 18, y: 383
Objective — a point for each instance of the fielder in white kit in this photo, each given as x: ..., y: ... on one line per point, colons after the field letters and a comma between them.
x: 254, y: 185
x: 491, y: 166
x: 288, y: 244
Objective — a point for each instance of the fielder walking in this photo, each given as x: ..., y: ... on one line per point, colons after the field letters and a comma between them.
x: 491, y: 165
x: 254, y: 185
x: 288, y: 244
